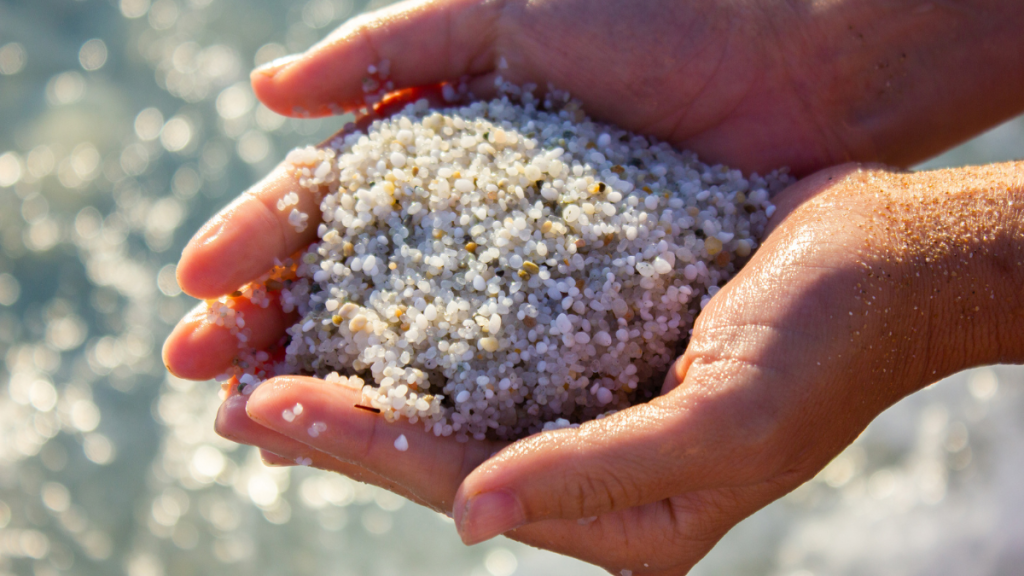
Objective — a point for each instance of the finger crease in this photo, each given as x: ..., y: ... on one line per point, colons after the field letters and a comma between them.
x: 272, y: 222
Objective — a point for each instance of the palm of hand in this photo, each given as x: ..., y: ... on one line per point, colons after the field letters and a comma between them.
x: 706, y: 76
x: 758, y: 84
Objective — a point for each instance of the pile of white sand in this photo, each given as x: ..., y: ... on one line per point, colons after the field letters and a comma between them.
x: 502, y: 268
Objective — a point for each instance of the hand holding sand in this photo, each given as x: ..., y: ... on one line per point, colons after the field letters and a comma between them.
x: 832, y: 321
x: 753, y: 418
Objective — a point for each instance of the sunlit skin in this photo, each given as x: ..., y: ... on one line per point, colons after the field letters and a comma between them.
x: 871, y: 284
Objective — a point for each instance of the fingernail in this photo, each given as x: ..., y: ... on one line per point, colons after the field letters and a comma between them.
x: 488, y: 515
x: 274, y: 66
x: 234, y: 401
x: 224, y: 424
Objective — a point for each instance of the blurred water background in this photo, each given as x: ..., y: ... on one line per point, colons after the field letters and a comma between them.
x: 124, y: 124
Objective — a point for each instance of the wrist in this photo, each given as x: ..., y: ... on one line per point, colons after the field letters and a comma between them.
x: 903, y: 78
x: 957, y: 238
x: 972, y: 243
x: 932, y: 268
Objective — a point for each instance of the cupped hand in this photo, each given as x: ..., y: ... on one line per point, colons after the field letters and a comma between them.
x: 757, y: 84
x: 834, y: 319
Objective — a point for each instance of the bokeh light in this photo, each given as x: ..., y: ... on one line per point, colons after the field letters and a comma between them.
x: 93, y: 54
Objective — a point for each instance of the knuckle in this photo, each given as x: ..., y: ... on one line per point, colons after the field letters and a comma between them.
x: 592, y: 492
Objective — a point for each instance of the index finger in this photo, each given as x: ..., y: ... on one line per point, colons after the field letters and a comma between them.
x: 244, y: 239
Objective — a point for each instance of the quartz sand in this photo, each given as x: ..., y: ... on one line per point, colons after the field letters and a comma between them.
x: 500, y: 268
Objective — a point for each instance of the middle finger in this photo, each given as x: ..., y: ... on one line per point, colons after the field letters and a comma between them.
x: 245, y: 239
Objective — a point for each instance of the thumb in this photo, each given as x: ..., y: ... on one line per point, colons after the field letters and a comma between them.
x: 697, y: 436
